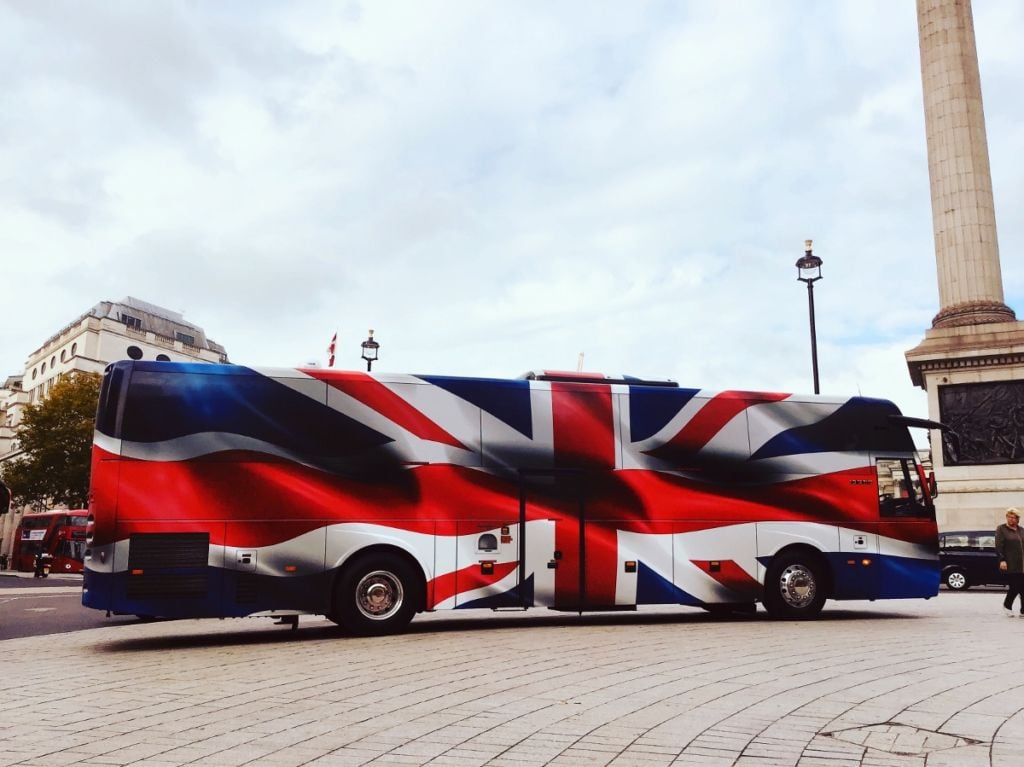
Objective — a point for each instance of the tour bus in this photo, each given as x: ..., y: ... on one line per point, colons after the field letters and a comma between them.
x: 225, y: 491
x: 60, y: 534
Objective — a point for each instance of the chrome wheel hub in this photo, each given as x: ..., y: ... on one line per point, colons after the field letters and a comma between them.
x: 797, y: 586
x: 379, y: 595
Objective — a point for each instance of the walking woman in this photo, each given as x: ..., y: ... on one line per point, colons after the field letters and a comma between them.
x: 1010, y: 547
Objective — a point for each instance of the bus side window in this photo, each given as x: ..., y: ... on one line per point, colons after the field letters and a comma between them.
x: 897, y: 494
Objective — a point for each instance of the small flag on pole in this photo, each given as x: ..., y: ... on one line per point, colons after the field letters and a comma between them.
x: 330, y: 351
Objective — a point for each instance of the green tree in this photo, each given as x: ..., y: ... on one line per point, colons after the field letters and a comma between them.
x: 55, y: 438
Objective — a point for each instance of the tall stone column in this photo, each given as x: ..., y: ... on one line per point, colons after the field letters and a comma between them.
x: 963, y: 215
x: 971, y: 361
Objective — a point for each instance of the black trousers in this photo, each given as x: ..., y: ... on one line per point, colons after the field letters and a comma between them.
x: 1014, y: 589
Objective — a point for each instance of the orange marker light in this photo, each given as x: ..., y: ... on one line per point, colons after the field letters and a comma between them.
x: 290, y: 568
x: 136, y: 572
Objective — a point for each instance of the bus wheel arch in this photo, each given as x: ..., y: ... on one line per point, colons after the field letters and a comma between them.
x: 377, y: 591
x: 797, y: 583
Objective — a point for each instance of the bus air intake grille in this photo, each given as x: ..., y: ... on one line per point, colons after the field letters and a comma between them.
x: 149, y: 550
x: 168, y: 565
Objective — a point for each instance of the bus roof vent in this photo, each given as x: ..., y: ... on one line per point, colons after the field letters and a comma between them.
x: 581, y: 377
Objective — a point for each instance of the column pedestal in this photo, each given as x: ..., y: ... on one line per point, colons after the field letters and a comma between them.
x: 974, y: 376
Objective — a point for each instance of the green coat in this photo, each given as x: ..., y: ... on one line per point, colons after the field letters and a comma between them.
x: 1010, y: 547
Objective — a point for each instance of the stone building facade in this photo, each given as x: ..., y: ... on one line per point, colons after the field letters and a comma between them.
x: 109, y: 331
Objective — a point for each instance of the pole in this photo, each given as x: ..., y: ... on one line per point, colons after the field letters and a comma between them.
x: 814, y: 338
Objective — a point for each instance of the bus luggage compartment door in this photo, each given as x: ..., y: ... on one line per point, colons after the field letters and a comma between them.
x: 856, y: 565
x: 497, y: 567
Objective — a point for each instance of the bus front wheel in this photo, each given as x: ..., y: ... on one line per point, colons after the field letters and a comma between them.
x: 375, y: 596
x: 794, y: 587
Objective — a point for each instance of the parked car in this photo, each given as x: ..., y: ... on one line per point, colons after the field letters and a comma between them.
x: 968, y: 558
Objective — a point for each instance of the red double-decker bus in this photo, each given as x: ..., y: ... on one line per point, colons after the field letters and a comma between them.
x: 61, y: 534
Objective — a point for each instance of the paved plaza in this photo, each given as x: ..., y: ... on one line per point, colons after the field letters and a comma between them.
x: 922, y: 684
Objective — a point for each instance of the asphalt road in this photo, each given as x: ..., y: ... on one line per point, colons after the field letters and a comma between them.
x: 41, y: 606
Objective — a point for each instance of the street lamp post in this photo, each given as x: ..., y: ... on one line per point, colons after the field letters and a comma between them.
x: 808, y: 269
x: 370, y: 348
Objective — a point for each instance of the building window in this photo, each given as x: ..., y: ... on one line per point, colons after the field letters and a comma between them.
x: 133, y: 322
x: 162, y: 358
x: 190, y: 340
x: 42, y: 368
x: 63, y: 355
x: 53, y: 361
x: 34, y: 371
x: 135, y: 352
x: 74, y: 349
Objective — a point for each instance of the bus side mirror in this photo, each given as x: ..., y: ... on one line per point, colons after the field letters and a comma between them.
x: 933, y: 487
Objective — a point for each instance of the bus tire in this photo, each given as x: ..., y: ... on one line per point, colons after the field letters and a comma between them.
x: 375, y: 595
x: 794, y: 587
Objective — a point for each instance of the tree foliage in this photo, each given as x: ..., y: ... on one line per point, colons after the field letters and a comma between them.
x: 55, y: 437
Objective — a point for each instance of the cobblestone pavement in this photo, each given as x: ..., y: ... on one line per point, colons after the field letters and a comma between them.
x: 887, y: 684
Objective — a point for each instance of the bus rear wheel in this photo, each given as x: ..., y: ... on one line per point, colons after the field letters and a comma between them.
x: 794, y: 587
x: 375, y: 596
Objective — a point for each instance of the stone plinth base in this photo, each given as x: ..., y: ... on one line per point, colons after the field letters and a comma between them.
x: 979, y: 501
x: 974, y: 376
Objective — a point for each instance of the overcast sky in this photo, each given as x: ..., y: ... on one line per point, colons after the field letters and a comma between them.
x: 494, y: 187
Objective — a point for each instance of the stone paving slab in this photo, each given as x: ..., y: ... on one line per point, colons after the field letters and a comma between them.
x: 928, y: 684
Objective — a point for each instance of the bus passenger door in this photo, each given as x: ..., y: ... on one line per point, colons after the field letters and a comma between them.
x: 579, y: 544
x: 551, y: 507
x: 908, y: 537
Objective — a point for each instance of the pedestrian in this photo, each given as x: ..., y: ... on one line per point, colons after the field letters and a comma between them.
x: 5, y: 506
x: 38, y: 562
x: 1010, y: 548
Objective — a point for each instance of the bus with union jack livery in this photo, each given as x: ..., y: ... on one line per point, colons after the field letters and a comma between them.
x: 227, y: 491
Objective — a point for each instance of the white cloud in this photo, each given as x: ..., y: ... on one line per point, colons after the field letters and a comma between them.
x: 492, y: 187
